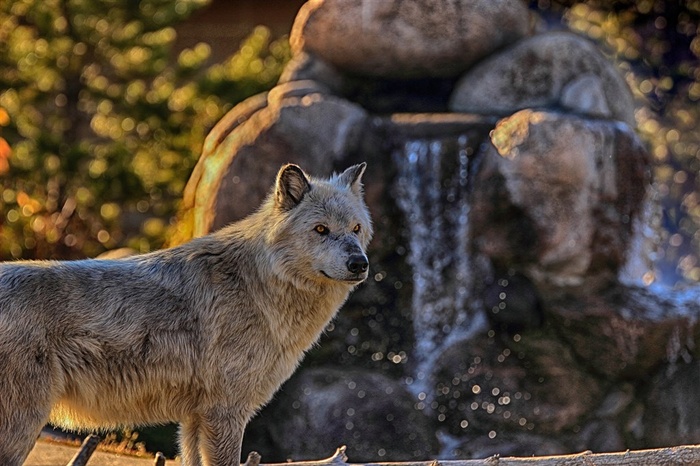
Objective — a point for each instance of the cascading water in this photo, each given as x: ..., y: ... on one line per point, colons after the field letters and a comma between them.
x: 431, y: 191
x: 639, y: 266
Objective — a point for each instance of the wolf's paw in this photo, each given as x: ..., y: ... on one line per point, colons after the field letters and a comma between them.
x: 253, y: 459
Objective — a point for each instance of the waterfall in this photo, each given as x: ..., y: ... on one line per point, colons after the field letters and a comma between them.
x: 431, y: 191
x: 640, y: 268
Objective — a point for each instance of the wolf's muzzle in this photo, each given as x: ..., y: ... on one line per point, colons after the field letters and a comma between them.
x: 357, y: 263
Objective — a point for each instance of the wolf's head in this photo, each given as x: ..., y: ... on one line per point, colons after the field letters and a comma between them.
x: 322, y: 227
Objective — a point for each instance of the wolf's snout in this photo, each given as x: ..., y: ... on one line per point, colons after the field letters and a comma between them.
x: 357, y: 263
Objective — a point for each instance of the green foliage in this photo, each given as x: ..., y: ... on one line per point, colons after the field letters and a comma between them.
x: 100, y: 124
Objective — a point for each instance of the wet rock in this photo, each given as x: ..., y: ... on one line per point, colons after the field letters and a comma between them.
x: 512, y: 303
x: 532, y: 385
x: 585, y: 95
x: 557, y: 69
x: 558, y: 195
x: 627, y: 332
x: 320, y: 409
x: 672, y: 415
x: 414, y: 38
x: 295, y: 122
x: 615, y: 402
x: 600, y: 436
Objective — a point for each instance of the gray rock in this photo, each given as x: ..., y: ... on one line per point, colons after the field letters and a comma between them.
x: 557, y: 195
x: 672, y: 415
x: 600, y: 436
x: 320, y: 409
x: 586, y: 95
x: 626, y: 332
x: 407, y: 38
x: 552, y: 69
x: 198, y: 221
x: 295, y: 122
x: 511, y: 303
x: 532, y: 385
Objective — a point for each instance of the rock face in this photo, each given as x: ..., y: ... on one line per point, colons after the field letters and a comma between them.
x: 628, y: 332
x: 370, y: 413
x: 407, y: 38
x: 575, y: 183
x: 494, y: 320
x: 673, y: 411
x: 295, y: 122
x: 532, y: 385
x: 549, y: 70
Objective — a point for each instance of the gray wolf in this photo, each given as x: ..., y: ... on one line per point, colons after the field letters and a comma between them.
x: 202, y: 334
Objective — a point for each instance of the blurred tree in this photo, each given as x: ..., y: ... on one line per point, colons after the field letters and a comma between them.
x: 657, y: 44
x: 100, y: 125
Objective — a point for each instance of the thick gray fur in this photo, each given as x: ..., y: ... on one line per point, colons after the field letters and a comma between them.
x: 202, y: 334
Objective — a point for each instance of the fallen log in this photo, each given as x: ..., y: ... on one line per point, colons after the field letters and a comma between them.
x: 86, y: 450
x: 160, y: 459
x: 687, y: 455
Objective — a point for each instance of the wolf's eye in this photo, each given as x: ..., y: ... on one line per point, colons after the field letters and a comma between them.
x: 356, y: 228
x: 321, y: 229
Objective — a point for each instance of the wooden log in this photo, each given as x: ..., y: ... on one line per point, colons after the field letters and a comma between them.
x: 160, y: 459
x: 86, y: 450
x: 687, y: 455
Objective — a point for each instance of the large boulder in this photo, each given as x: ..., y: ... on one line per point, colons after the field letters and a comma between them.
x: 627, y: 332
x: 407, y: 38
x: 323, y: 408
x: 557, y: 69
x: 530, y: 383
x: 556, y: 196
x: 295, y: 122
x: 672, y: 415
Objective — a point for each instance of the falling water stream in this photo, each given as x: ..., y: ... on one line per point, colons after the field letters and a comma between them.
x: 431, y: 191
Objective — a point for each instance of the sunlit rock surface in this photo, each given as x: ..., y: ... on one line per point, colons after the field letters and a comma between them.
x: 407, y: 38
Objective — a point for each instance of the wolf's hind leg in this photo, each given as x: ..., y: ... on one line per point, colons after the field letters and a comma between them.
x: 27, y: 393
x: 220, y: 437
x: 20, y: 426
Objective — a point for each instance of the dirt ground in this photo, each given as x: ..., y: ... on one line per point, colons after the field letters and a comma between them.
x: 46, y: 453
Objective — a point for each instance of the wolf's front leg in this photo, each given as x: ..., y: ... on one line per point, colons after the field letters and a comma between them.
x: 220, y: 437
x: 189, y: 442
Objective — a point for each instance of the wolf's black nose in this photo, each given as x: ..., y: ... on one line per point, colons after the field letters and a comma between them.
x: 357, y: 263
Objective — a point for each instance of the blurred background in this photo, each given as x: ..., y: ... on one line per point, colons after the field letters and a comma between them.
x: 104, y: 106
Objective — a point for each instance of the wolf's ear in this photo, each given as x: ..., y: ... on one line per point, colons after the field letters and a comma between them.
x: 291, y: 186
x: 352, y: 177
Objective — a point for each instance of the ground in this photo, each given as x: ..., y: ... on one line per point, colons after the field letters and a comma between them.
x: 47, y: 453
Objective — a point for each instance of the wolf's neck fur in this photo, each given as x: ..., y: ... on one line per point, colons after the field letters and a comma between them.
x: 301, y: 314
x: 297, y: 309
